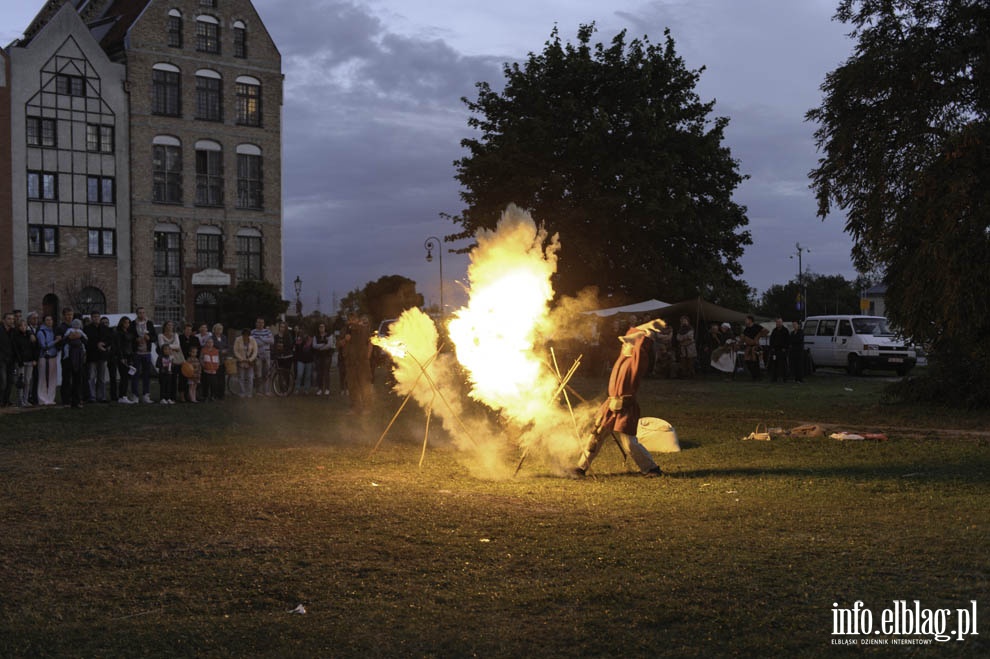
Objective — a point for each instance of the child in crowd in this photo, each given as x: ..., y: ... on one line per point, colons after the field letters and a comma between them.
x: 193, y: 373
x: 210, y: 360
x: 167, y: 375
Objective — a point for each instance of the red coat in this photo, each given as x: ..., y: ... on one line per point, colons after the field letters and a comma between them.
x: 624, y: 381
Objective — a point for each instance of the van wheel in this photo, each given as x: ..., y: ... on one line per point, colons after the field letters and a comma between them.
x: 855, y: 365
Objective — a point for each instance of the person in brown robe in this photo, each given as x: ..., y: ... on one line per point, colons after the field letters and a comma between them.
x: 357, y: 358
x: 619, y: 414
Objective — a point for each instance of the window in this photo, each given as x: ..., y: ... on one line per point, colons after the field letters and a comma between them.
x: 168, y: 278
x: 91, y: 300
x: 209, y: 250
x: 166, y: 172
x: 99, y: 189
x: 248, y: 255
x: 208, y: 96
x: 41, y: 132
x: 240, y: 40
x: 42, y: 239
x: 209, y: 174
x: 249, y: 184
x: 248, y: 101
x: 207, y: 34
x: 69, y: 85
x: 165, y: 93
x: 175, y: 29
x: 99, y: 137
x: 41, y: 185
x: 102, y: 242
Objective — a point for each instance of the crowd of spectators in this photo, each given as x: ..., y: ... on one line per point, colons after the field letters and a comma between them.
x: 84, y: 359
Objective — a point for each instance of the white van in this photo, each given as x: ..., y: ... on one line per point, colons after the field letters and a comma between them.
x: 857, y: 343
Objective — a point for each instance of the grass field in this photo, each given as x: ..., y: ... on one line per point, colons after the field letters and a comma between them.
x: 197, y: 530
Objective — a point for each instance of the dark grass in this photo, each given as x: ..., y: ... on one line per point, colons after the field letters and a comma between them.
x: 195, y: 530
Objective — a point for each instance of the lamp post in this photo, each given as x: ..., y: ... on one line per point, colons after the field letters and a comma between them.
x: 431, y: 243
x: 802, y: 291
x: 298, y: 284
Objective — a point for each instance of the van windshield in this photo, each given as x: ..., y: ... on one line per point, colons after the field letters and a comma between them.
x: 872, y: 326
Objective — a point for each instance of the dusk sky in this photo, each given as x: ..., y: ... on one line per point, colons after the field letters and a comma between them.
x: 373, y: 121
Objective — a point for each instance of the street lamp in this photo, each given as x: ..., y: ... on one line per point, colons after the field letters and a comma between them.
x: 298, y: 284
x: 431, y: 243
x: 802, y: 291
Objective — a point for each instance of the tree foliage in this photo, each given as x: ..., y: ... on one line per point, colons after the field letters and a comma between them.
x: 611, y: 148
x: 905, y: 137
x: 242, y: 304
x: 387, y: 297
x: 823, y: 294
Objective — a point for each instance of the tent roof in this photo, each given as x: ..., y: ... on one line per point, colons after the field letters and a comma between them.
x: 701, y: 311
x: 647, y: 306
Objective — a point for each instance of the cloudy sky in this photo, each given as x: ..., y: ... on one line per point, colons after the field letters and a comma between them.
x: 373, y: 120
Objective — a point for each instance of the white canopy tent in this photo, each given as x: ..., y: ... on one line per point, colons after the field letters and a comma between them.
x: 647, y: 306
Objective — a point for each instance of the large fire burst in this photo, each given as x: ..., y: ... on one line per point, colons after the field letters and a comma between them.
x: 500, y: 340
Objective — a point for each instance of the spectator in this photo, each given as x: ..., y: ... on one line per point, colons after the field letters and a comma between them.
x: 193, y: 373
x: 779, y: 345
x: 98, y: 340
x: 323, y: 344
x: 687, y: 351
x: 751, y: 341
x: 223, y: 346
x: 6, y: 358
x: 167, y: 374
x: 263, y: 366
x: 246, y: 353
x: 796, y: 353
x: 48, y: 362
x: 303, y: 354
x: 144, y: 337
x: 25, y: 359
x: 211, y: 379
x: 33, y: 326
x: 60, y: 330
x: 123, y: 350
x: 74, y: 349
x: 169, y: 337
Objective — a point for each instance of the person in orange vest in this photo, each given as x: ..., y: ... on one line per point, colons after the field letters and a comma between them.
x: 210, y: 360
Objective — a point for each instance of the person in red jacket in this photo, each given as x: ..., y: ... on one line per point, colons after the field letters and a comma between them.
x: 619, y: 414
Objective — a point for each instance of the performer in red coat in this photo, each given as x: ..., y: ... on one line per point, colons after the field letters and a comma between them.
x: 619, y: 414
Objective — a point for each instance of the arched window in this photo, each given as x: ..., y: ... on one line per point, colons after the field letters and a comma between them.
x: 209, y: 173
x: 250, y: 185
x: 168, y: 272
x: 91, y: 300
x: 209, y: 248
x: 240, y: 39
x: 249, y: 265
x: 166, y: 89
x: 248, y: 101
x: 207, y: 34
x: 209, y: 95
x: 49, y: 306
x: 207, y: 308
x: 174, y: 28
x: 166, y: 169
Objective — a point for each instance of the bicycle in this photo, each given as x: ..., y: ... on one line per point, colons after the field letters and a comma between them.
x: 282, y: 378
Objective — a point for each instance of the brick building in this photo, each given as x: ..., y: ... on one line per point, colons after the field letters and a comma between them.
x: 182, y: 196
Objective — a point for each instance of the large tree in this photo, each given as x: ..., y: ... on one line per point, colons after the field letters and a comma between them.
x: 240, y: 305
x: 386, y: 297
x: 612, y: 148
x: 905, y: 137
x: 823, y: 294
